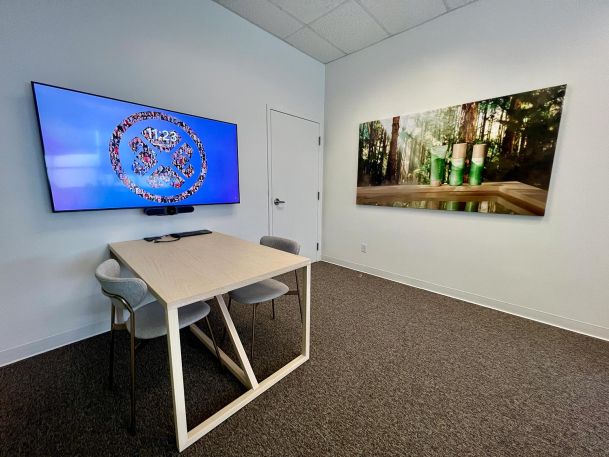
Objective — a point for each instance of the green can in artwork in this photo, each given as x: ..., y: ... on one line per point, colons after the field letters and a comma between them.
x: 454, y: 206
x: 438, y: 164
x: 477, y: 165
x: 457, y: 164
x: 472, y: 206
x: 456, y: 172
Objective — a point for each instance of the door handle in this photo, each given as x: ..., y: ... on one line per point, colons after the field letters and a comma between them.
x: 278, y: 202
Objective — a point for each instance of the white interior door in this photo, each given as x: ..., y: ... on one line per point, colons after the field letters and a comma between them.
x: 294, y: 180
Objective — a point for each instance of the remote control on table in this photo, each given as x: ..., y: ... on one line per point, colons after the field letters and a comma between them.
x: 192, y: 233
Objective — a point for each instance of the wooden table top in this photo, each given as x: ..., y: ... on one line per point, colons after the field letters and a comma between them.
x: 201, y: 267
x: 521, y: 198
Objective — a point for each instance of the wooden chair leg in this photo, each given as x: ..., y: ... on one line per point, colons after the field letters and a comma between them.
x: 253, y: 332
x: 132, y: 392
x: 111, y: 364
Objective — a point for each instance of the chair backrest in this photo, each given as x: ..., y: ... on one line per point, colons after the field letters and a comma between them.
x: 283, y: 244
x: 132, y: 290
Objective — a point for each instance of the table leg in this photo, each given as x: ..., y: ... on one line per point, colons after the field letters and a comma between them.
x: 226, y: 361
x: 244, y: 374
x: 177, y: 379
x: 234, y: 337
x: 306, y: 329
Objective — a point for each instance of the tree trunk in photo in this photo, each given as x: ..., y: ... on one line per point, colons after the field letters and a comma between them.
x: 398, y: 172
x: 367, y: 162
x: 413, y: 156
x: 392, y: 161
x: 383, y: 154
x: 423, y: 151
x: 469, y: 119
x: 507, y: 144
x: 371, y: 150
x: 380, y: 160
x: 364, y: 144
x: 482, y: 135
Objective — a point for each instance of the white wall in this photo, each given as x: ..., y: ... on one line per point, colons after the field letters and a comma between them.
x: 223, y: 67
x: 554, y: 269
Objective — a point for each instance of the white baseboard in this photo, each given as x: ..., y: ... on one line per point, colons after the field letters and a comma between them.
x: 11, y: 355
x: 595, y: 331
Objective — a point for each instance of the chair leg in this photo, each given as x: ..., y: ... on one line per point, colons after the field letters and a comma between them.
x: 111, y: 364
x: 299, y: 299
x: 132, y: 392
x: 140, y: 344
x: 253, y: 332
x: 227, y: 307
x: 214, y: 340
x: 273, y: 303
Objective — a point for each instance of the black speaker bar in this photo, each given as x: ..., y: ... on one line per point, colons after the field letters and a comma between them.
x: 168, y: 210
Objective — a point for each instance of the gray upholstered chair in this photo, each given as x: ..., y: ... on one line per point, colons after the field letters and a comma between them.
x: 146, y: 320
x: 268, y: 289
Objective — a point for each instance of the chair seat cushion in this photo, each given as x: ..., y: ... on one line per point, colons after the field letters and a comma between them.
x: 150, y: 318
x: 265, y: 290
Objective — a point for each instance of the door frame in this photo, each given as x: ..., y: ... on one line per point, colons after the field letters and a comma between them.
x: 269, y: 163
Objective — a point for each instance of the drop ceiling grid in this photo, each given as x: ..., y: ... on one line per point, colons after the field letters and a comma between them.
x: 307, y: 12
x: 349, y: 27
x: 330, y: 29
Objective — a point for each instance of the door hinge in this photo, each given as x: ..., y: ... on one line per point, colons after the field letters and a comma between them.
x: 318, y: 246
x: 317, y: 195
x: 319, y: 140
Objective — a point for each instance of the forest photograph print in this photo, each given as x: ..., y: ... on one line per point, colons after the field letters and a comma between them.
x: 489, y: 156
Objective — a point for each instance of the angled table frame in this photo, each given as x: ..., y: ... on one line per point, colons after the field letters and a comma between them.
x: 180, y: 273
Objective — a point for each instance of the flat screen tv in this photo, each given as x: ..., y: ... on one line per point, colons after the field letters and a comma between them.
x: 103, y: 153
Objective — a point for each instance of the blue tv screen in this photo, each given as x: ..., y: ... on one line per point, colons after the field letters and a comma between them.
x: 103, y: 153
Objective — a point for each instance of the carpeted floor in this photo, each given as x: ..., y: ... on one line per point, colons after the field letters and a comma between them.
x: 394, y: 370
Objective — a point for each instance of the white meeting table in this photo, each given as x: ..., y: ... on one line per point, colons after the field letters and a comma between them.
x: 200, y: 268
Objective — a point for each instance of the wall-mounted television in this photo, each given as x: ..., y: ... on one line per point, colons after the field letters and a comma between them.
x: 103, y: 153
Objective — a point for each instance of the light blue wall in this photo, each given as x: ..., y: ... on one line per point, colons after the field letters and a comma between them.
x: 191, y: 56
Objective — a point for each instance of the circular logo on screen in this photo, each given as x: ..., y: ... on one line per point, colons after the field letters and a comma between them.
x: 158, y: 157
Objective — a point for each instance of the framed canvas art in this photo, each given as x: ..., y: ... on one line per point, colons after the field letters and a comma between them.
x: 487, y: 156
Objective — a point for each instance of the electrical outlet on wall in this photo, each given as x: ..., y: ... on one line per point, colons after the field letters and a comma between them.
x: 364, y: 247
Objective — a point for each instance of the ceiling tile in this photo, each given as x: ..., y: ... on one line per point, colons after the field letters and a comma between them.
x: 457, y: 3
x: 307, y: 10
x: 312, y: 44
x: 399, y: 15
x: 349, y: 28
x: 264, y: 14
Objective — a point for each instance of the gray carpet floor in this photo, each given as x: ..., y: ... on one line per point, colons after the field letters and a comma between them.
x: 394, y: 370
